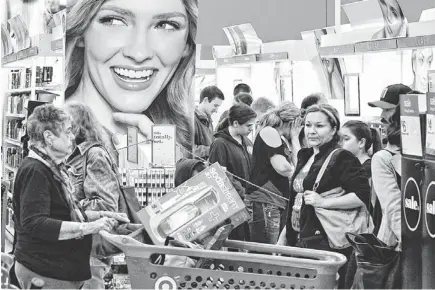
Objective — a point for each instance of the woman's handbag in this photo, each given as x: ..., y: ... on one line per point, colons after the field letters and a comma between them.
x: 337, y: 222
x: 378, y: 264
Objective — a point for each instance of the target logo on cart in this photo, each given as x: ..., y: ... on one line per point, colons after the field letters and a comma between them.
x: 165, y: 283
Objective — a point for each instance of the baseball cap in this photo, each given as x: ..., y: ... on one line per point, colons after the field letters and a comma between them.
x: 390, y: 96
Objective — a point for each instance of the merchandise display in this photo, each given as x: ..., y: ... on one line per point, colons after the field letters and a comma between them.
x: 194, y: 208
x: 150, y: 184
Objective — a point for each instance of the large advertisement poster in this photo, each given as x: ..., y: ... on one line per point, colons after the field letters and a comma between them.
x: 133, y: 63
x: 330, y: 70
x: 421, y: 61
x: 395, y: 22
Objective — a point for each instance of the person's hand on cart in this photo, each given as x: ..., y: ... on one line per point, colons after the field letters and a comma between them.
x: 102, y: 224
x: 118, y: 216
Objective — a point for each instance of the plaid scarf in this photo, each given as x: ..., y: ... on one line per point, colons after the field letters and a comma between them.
x: 60, y: 173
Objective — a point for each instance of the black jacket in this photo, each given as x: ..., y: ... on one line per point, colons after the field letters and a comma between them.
x: 234, y: 156
x: 344, y: 170
x: 203, y: 134
x: 39, y: 209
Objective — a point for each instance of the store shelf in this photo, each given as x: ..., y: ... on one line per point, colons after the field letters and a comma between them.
x: 252, y: 58
x: 37, y: 90
x: 416, y: 42
x: 337, y: 50
x: 19, y: 91
x: 10, y: 168
x: 48, y: 91
x: 381, y: 45
x: 13, y: 141
x: 24, y: 57
x: 15, y: 116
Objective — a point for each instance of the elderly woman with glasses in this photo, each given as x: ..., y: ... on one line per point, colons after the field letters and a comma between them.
x: 53, y: 232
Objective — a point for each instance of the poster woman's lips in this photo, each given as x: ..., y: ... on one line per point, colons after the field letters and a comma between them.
x: 133, y: 79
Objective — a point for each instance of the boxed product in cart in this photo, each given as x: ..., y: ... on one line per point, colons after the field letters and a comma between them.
x: 195, y: 208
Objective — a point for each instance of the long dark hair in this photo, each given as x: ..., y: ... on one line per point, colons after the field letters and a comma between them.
x: 241, y: 113
x: 361, y: 130
x: 393, y: 129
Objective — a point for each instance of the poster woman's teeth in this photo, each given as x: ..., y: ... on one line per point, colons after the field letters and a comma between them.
x: 134, y: 74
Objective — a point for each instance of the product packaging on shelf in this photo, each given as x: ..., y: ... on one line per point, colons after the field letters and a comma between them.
x: 150, y: 183
x: 194, y: 209
x: 431, y: 81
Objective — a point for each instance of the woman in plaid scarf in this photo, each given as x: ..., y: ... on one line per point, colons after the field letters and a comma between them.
x: 54, y: 235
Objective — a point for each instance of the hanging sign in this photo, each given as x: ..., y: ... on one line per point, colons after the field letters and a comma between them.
x: 132, y: 149
x: 163, y: 145
x: 410, y: 125
x: 430, y: 124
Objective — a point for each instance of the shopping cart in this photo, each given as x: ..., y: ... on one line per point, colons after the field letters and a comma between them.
x: 277, y: 268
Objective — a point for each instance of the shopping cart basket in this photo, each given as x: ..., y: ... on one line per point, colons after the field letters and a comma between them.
x: 278, y: 268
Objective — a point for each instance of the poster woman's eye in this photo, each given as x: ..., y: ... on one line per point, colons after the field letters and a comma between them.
x: 112, y: 21
x: 168, y: 25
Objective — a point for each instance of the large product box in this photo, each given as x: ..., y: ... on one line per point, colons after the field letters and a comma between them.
x: 195, y: 209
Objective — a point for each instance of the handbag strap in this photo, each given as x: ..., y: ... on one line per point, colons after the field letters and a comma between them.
x: 323, y: 169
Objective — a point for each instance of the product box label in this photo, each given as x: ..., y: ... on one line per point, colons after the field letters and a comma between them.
x: 410, y: 125
x: 430, y: 124
x: 193, y: 209
x: 431, y: 81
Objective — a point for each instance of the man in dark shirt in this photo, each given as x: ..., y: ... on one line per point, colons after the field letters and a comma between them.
x: 210, y: 100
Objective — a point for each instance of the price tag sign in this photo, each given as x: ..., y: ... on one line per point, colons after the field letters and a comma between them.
x: 430, y: 124
x: 163, y: 145
x: 410, y: 125
x: 431, y: 78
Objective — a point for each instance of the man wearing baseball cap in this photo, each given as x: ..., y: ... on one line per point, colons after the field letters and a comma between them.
x: 390, y: 100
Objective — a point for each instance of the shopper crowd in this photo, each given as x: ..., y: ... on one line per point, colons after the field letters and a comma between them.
x: 301, y: 168
x: 293, y: 167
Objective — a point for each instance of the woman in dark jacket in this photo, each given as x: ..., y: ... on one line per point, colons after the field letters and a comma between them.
x: 304, y: 228
x: 232, y: 150
x: 53, y: 232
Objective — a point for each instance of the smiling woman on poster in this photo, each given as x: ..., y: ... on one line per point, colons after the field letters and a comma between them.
x: 133, y: 63
x: 421, y: 61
